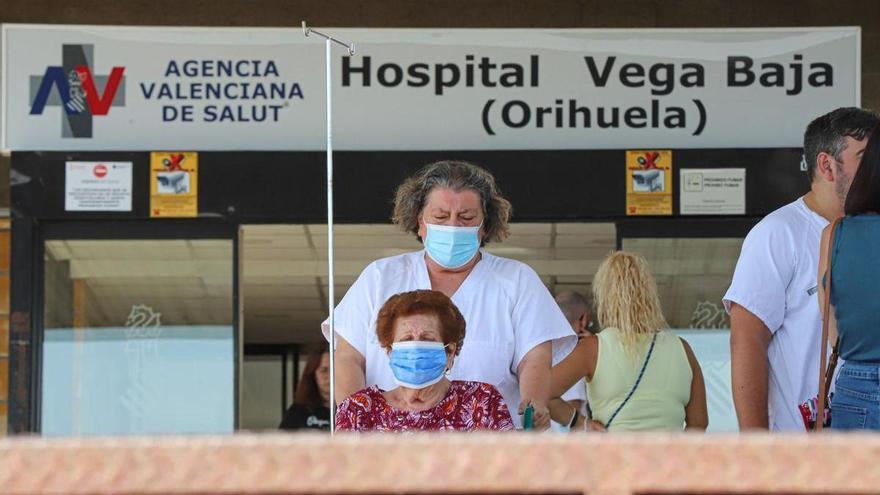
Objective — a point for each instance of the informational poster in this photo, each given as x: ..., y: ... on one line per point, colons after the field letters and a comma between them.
x: 648, y: 182
x: 713, y: 191
x: 97, y: 186
x: 174, y: 184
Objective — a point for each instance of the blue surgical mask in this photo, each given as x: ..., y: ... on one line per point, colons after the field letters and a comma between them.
x: 452, y: 247
x: 418, y: 364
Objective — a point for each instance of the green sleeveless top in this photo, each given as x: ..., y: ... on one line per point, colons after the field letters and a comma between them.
x: 659, y: 401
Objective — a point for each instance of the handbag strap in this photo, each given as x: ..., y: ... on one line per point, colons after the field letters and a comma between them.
x: 636, y: 385
x: 826, y: 372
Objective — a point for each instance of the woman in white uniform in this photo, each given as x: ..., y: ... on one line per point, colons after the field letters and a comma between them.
x: 516, y: 332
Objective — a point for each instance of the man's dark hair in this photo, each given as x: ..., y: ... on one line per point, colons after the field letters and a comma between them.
x: 864, y: 193
x: 828, y: 133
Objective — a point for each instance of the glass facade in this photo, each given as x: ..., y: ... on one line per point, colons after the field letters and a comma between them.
x: 139, y: 334
x: 138, y: 337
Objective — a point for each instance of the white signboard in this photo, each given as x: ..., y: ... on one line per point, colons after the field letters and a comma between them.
x: 713, y: 191
x: 97, y: 186
x: 143, y: 88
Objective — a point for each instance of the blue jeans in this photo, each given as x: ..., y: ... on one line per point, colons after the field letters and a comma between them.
x: 856, y: 402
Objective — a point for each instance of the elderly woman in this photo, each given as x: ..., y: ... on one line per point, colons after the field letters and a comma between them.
x: 422, y: 332
x: 516, y: 329
x: 639, y: 376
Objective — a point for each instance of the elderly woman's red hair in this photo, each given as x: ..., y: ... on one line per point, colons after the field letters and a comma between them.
x: 421, y: 302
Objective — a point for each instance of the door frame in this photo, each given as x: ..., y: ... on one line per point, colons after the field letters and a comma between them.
x: 27, y: 294
x: 683, y: 228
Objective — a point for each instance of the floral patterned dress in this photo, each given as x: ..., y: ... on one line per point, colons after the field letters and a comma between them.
x: 467, y: 406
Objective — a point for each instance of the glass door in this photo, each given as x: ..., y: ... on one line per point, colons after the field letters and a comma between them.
x: 139, y: 334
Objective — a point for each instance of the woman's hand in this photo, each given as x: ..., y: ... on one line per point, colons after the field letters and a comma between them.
x: 534, y: 383
x: 587, y: 425
x: 541, y: 415
x: 594, y: 426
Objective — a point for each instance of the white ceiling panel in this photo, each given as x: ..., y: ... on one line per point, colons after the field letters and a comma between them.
x: 598, y: 230
x: 521, y: 229
x: 374, y: 229
x: 401, y: 241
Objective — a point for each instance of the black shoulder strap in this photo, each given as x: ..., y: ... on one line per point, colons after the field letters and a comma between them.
x: 636, y: 385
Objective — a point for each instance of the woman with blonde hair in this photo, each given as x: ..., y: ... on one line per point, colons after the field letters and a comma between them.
x: 639, y: 375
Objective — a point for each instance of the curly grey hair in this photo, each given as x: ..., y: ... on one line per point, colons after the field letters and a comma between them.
x: 411, y: 195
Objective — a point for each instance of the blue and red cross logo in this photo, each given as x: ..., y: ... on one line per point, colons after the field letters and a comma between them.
x: 77, y: 90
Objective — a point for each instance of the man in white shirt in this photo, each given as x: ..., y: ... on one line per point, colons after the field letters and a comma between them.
x: 774, y: 312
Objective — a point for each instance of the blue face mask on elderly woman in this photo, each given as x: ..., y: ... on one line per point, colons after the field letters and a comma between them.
x: 418, y: 364
x: 452, y: 247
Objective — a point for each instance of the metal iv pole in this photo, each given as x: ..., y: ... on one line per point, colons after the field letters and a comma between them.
x: 328, y: 42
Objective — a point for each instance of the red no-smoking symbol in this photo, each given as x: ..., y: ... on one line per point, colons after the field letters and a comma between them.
x: 100, y: 170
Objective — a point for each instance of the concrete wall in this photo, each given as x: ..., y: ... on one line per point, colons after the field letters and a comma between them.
x: 474, y: 13
x: 477, y: 463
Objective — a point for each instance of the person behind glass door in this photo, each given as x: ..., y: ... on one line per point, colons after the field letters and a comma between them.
x: 855, y: 306
x: 422, y: 332
x: 516, y: 331
x: 311, y: 403
x: 568, y: 409
x: 668, y: 392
